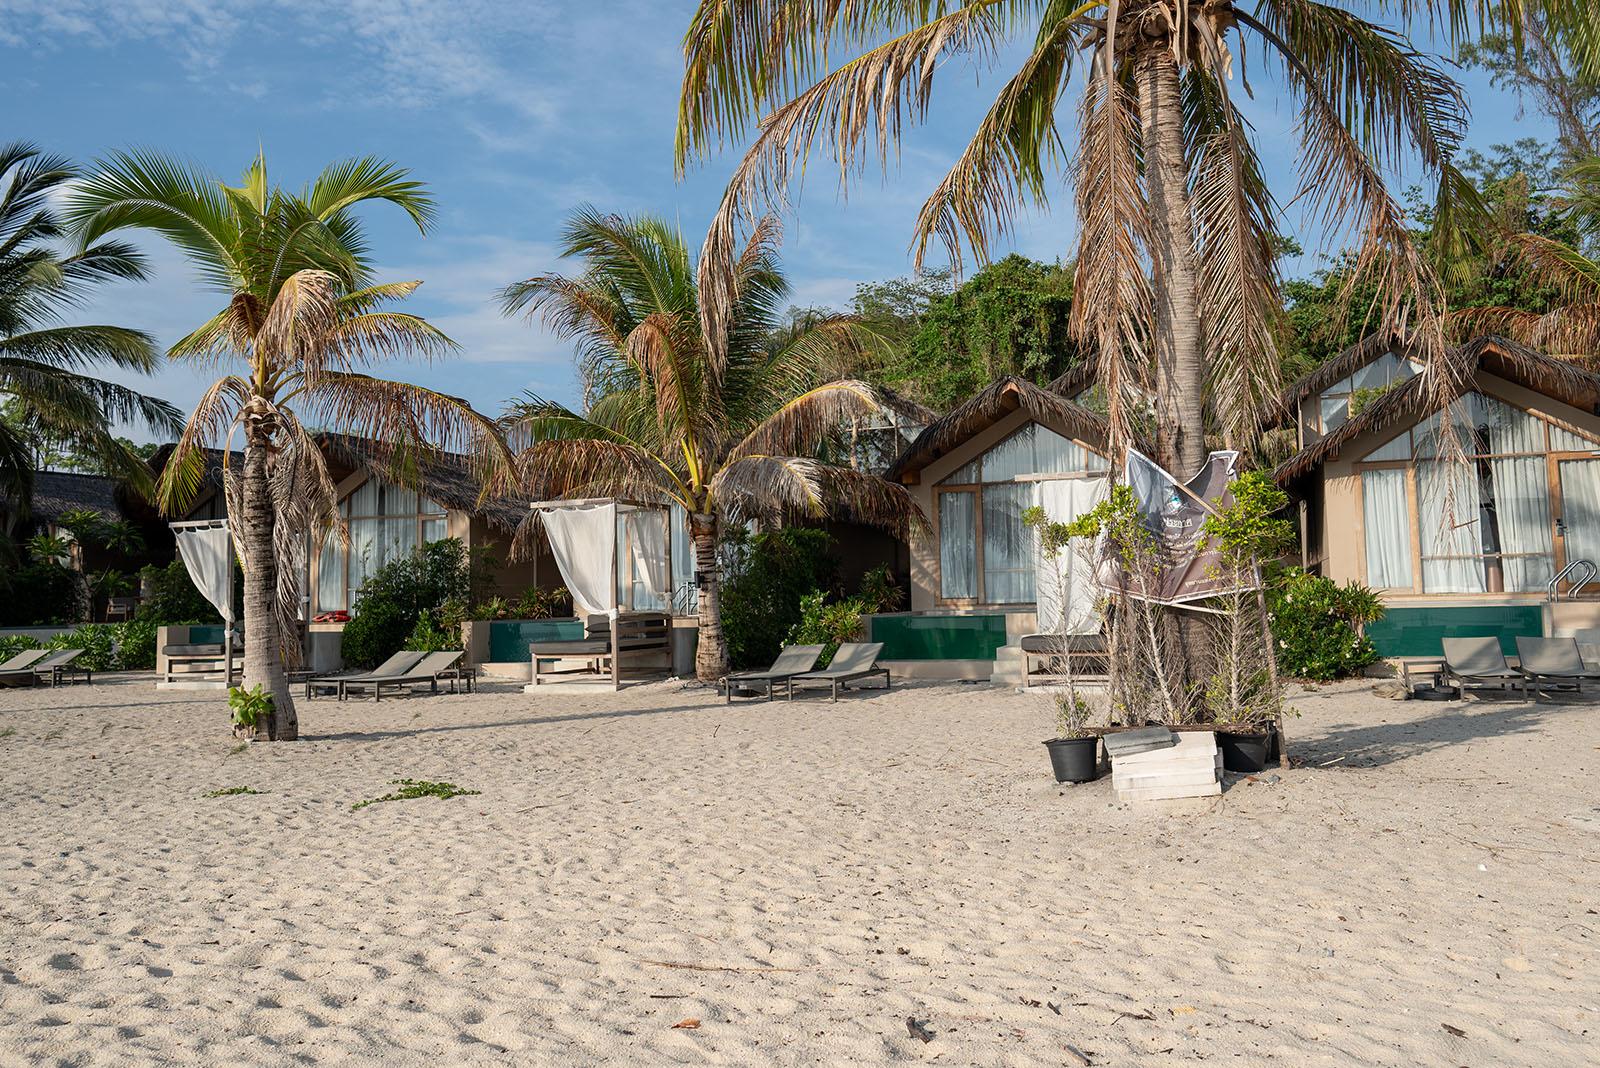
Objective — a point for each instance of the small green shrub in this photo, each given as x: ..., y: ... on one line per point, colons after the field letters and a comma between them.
x: 537, y: 603
x: 1314, y: 622
x: 396, y: 596
x: 827, y: 625
x: 231, y: 791
x: 880, y: 592
x: 96, y: 641
x: 432, y: 635
x: 12, y: 644
x: 250, y: 707
x: 136, y: 644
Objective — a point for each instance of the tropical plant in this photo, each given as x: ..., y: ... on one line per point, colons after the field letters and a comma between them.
x: 767, y: 575
x: 1315, y: 621
x: 52, y: 384
x: 302, y: 318
x: 826, y: 623
x: 1175, y: 284
x: 538, y: 602
x: 880, y: 592
x: 251, y: 708
x: 720, y: 408
x: 396, y: 598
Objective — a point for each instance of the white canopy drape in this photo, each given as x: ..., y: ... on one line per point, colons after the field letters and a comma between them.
x: 583, y: 539
x: 1066, y: 590
x: 207, y: 553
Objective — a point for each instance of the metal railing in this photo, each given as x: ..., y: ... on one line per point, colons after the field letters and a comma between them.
x: 1586, y: 568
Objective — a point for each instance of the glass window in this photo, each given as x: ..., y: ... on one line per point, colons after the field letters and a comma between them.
x: 1484, y: 525
x: 985, y: 524
x: 1387, y: 370
x: 386, y: 522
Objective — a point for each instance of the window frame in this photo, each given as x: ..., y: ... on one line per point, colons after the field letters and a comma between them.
x: 1555, y: 505
x: 344, y: 505
x: 976, y: 489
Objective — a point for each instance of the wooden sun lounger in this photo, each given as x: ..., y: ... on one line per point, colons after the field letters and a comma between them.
x: 24, y: 660
x: 1553, y: 660
x: 605, y: 645
x: 1479, y: 662
x: 793, y: 660
x: 853, y: 662
x: 430, y: 669
x: 399, y: 663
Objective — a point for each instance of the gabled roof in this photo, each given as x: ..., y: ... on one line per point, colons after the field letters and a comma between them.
x: 987, y: 408
x: 1340, y: 367
x: 55, y: 493
x: 1408, y: 403
x: 445, y: 477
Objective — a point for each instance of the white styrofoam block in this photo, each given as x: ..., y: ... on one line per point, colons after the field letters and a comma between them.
x: 1185, y: 778
x: 1160, y: 793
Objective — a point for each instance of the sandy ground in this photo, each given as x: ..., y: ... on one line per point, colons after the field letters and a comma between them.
x: 798, y: 878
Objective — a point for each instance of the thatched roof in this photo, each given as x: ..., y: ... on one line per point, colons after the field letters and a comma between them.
x: 1340, y: 367
x: 441, y: 476
x: 987, y: 408
x: 55, y: 493
x: 1406, y: 404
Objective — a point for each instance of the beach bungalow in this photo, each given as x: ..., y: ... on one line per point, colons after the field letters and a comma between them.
x: 974, y: 593
x: 1454, y: 551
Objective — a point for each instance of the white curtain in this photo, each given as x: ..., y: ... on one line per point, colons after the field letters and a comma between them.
x: 958, y: 545
x: 1066, y: 588
x: 1522, y: 511
x: 207, y: 554
x: 1580, y: 497
x: 646, y: 532
x: 583, y: 539
x: 1451, y: 527
x: 1387, y: 517
x: 1008, y: 545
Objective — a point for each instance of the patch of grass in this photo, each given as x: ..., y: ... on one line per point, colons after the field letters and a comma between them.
x: 414, y: 788
x: 241, y: 747
x: 232, y: 791
x: 8, y: 732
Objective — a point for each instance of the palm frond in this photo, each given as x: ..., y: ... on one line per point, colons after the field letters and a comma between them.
x: 803, y: 424
x: 213, y: 419
x: 776, y: 488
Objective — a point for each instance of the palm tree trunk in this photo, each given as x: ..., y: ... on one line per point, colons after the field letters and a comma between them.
x: 263, y: 663
x: 1180, y: 357
x: 711, y: 652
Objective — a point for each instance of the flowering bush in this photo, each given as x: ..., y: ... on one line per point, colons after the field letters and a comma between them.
x: 1315, y: 622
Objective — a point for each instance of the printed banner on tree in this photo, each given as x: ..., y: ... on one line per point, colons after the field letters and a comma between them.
x: 1182, y: 570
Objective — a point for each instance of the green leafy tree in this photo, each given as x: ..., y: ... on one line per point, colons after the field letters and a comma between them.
x: 55, y: 401
x: 724, y: 413
x: 301, y: 320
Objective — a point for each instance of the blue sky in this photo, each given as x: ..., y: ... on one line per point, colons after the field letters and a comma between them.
x: 513, y: 113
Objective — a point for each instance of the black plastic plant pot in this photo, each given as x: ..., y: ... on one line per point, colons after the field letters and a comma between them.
x: 1074, y: 759
x: 1244, y: 752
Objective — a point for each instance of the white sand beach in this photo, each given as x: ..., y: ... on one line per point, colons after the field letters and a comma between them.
x: 799, y: 878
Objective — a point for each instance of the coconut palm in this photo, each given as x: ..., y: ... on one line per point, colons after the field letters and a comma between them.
x: 52, y: 383
x: 302, y: 316
x: 1175, y: 281
x: 732, y: 436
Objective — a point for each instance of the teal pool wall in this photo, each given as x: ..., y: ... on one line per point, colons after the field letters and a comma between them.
x: 1420, y: 631
x: 509, y: 638
x: 974, y: 637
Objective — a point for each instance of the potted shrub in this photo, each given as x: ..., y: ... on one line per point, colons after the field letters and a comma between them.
x: 1075, y: 750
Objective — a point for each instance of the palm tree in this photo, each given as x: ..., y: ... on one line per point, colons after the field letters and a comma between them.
x: 51, y: 373
x: 302, y: 316
x: 1175, y: 278
x: 730, y: 427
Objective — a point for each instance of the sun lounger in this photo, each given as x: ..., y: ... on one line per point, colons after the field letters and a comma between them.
x: 1064, y: 656
x: 793, y: 660
x: 59, y: 666
x: 430, y: 669
x: 398, y: 664
x: 24, y: 660
x: 853, y: 662
x: 1479, y: 662
x: 1554, y: 660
